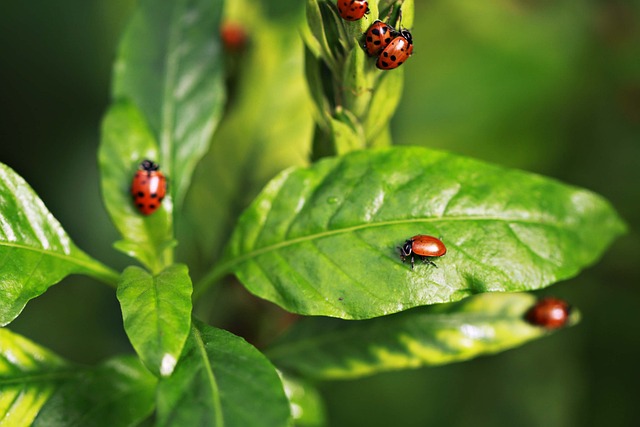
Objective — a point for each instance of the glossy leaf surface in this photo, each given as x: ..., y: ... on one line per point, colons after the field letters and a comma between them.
x: 326, y: 348
x: 157, y: 314
x: 221, y: 380
x: 323, y: 240
x: 35, y: 251
x: 169, y: 64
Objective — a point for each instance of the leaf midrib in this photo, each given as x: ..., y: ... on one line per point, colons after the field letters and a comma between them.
x: 228, y: 265
x: 87, y: 264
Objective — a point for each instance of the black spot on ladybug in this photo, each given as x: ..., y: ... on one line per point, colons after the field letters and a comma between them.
x: 140, y: 194
x: 152, y: 206
x: 154, y: 195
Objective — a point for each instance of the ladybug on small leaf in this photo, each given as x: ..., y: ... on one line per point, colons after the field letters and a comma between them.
x: 353, y: 10
x: 424, y: 246
x: 148, y: 188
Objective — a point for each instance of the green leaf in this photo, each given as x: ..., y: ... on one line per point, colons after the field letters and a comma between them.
x: 267, y: 128
x: 323, y: 240
x: 126, y: 141
x: 40, y: 389
x: 28, y: 376
x: 325, y: 348
x: 385, y: 100
x: 35, y: 251
x: 169, y: 64
x: 347, y: 132
x: 118, y: 392
x: 157, y: 314
x: 307, y: 407
x: 221, y: 380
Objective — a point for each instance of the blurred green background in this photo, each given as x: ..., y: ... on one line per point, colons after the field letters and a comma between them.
x: 550, y: 87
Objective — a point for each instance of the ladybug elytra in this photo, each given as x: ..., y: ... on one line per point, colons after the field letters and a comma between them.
x: 378, y: 36
x: 396, y: 52
x: 148, y: 188
x: 352, y: 10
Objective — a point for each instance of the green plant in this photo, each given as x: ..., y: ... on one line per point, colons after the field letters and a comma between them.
x: 318, y: 240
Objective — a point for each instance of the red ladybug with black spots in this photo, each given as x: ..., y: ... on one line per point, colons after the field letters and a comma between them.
x: 377, y: 37
x: 352, y: 10
x: 148, y: 188
x: 396, y: 52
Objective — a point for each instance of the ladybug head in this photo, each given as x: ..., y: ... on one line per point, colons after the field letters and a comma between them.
x: 406, y: 248
x: 149, y: 166
x: 407, y: 35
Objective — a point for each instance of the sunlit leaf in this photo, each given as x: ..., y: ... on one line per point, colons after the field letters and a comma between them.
x: 35, y: 251
x: 157, y: 314
x: 38, y: 388
x: 328, y: 348
x: 221, y: 380
x: 323, y: 240
x: 22, y: 395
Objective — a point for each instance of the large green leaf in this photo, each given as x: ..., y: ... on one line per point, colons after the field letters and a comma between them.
x: 157, y: 314
x: 326, y: 348
x: 40, y: 389
x: 221, y: 380
x: 126, y: 141
x: 323, y: 240
x: 169, y: 64
x: 35, y: 251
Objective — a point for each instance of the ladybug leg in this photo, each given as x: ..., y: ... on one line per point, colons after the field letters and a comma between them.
x: 412, y: 261
x: 426, y: 260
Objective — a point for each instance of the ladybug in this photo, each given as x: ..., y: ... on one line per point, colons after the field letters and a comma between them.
x: 352, y: 10
x: 377, y: 37
x: 549, y: 313
x: 396, y: 52
x: 423, y: 246
x: 148, y: 188
x: 234, y: 37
